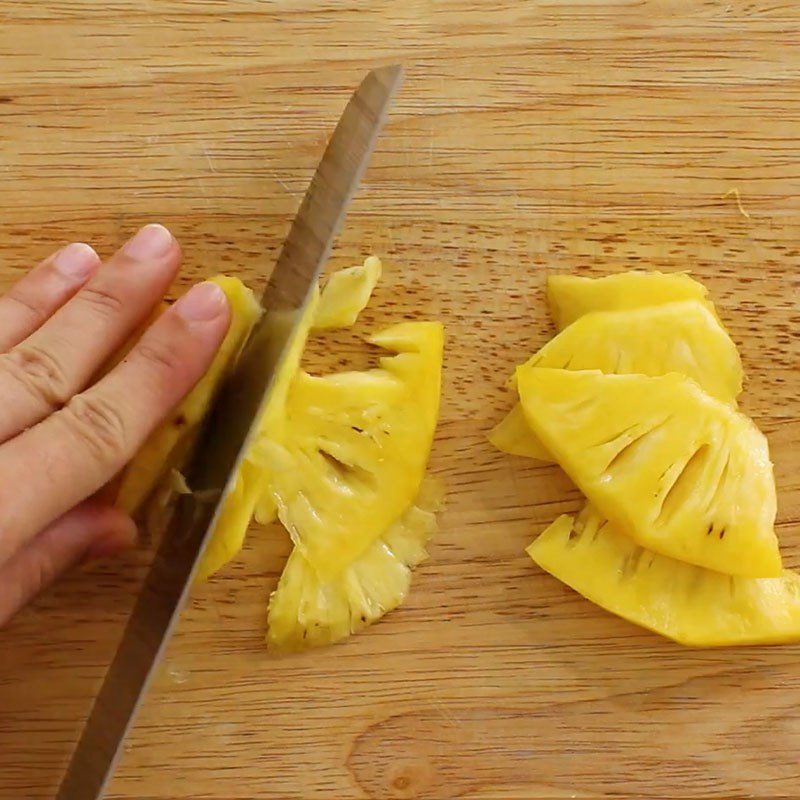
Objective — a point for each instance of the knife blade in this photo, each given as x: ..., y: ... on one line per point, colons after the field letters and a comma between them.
x: 227, y: 434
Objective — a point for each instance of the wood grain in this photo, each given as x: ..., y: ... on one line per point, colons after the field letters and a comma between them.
x: 587, y: 135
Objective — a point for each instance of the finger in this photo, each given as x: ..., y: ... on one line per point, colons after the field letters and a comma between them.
x: 59, y: 359
x: 46, y: 288
x: 55, y: 465
x: 87, y: 532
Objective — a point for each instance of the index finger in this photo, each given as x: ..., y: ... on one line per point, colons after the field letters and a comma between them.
x: 53, y: 466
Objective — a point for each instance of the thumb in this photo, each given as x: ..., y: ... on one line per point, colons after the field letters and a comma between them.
x: 90, y: 530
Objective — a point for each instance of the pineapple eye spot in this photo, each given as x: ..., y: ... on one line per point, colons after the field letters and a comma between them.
x: 599, y: 530
x: 710, y: 529
x: 344, y: 473
x: 722, y: 533
x: 630, y: 563
x: 684, y: 484
x: 339, y: 467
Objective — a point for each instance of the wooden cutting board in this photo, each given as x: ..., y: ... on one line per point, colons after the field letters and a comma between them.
x: 531, y: 137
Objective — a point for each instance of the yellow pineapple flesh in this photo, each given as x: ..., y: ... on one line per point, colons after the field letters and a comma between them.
x: 351, y: 457
x: 346, y: 294
x: 680, y: 337
x: 676, y: 470
x: 572, y: 296
x: 675, y: 337
x: 692, y: 605
x: 309, y: 611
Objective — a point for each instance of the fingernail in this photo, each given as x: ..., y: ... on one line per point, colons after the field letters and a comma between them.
x: 201, y: 303
x: 113, y: 543
x: 152, y: 241
x: 76, y: 261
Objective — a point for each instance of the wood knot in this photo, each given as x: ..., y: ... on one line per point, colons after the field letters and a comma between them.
x: 410, y: 780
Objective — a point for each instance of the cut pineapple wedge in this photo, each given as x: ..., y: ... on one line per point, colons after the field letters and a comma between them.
x: 353, y: 452
x: 694, y: 606
x: 675, y: 337
x: 168, y: 445
x: 572, y: 296
x: 346, y: 294
x: 251, y: 479
x: 676, y: 470
x: 307, y: 611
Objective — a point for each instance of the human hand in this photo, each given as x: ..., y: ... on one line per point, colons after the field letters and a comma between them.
x: 62, y: 435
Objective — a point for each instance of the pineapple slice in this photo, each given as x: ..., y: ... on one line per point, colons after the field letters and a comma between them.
x: 675, y: 337
x: 308, y: 611
x: 169, y: 444
x: 680, y: 337
x: 346, y: 295
x: 250, y: 481
x: 353, y: 452
x: 694, y: 606
x: 572, y: 296
x: 676, y: 470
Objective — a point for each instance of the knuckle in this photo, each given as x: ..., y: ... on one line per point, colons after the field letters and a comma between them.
x: 159, y: 354
x: 102, y: 300
x: 27, y: 305
x: 99, y: 426
x: 39, y: 372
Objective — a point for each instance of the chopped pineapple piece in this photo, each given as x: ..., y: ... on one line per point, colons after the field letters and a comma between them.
x: 572, y: 296
x: 249, y: 486
x: 680, y: 337
x: 343, y: 473
x: 676, y: 470
x: 346, y: 294
x: 692, y: 605
x: 169, y: 443
x: 353, y: 452
x: 675, y: 337
x: 308, y: 611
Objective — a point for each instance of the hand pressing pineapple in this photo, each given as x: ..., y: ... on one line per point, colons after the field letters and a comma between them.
x: 64, y: 431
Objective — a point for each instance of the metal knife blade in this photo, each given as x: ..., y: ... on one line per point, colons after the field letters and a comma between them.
x: 227, y: 434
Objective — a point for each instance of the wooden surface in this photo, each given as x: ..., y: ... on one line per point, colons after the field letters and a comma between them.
x: 530, y: 137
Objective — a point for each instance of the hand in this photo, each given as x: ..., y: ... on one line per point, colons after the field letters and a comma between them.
x: 62, y: 436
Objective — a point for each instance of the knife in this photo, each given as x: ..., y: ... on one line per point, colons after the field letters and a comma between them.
x: 227, y: 434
